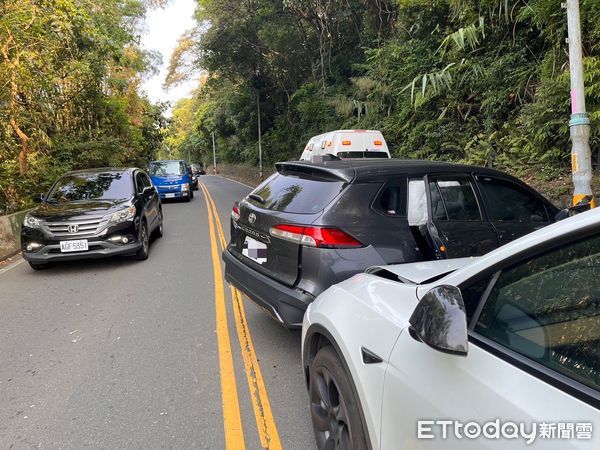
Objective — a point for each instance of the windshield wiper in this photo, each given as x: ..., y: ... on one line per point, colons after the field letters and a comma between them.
x: 258, y: 198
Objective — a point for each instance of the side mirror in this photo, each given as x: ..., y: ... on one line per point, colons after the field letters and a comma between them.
x: 38, y: 198
x: 149, y: 189
x: 440, y: 321
x: 573, y: 210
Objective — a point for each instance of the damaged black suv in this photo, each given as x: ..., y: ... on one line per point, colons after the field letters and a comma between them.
x: 312, y: 225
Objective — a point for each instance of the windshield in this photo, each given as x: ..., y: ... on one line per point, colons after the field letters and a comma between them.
x: 361, y: 154
x: 164, y: 168
x: 91, y: 186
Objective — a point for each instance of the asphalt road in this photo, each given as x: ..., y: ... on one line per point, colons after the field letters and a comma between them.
x: 118, y: 354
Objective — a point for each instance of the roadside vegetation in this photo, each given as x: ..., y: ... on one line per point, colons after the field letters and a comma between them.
x: 480, y: 81
x: 70, y: 72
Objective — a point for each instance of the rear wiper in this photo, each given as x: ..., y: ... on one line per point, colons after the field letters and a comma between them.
x: 258, y: 198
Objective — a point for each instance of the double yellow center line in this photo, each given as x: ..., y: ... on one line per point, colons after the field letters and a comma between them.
x: 234, y: 435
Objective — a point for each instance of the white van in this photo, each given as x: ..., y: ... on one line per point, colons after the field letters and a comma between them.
x: 347, y: 144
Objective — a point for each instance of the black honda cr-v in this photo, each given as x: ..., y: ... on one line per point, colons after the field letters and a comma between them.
x: 92, y: 214
x: 311, y: 225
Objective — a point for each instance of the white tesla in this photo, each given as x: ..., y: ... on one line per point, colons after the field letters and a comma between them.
x: 500, y: 351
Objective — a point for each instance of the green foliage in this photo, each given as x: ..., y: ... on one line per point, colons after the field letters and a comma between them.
x: 481, y: 81
x: 70, y: 72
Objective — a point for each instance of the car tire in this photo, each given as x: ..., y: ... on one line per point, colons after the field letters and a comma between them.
x: 334, y: 408
x: 38, y: 266
x: 144, y: 238
x: 159, y: 230
x: 191, y: 194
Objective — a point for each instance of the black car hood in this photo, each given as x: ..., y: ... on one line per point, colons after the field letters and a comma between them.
x: 78, y: 209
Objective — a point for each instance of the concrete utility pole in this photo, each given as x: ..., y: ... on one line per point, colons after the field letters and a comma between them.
x: 581, y: 158
x: 214, y: 154
x: 260, y: 169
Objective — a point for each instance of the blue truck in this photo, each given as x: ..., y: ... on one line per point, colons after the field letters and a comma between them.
x: 172, y: 178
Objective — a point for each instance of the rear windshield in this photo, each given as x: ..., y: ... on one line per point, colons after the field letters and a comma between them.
x: 361, y: 154
x: 91, y: 186
x: 295, y: 194
x: 164, y: 168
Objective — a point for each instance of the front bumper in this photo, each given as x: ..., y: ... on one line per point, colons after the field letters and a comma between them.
x: 173, y: 194
x: 285, y: 304
x: 97, y: 249
x: 99, y: 245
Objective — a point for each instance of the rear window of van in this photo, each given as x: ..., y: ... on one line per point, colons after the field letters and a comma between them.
x: 295, y: 193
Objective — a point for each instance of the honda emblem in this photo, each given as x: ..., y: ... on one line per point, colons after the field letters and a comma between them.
x: 73, y: 228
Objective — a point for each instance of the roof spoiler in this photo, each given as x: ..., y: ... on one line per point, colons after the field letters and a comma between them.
x: 290, y: 168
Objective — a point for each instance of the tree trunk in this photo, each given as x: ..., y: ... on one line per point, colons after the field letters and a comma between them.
x: 24, y: 140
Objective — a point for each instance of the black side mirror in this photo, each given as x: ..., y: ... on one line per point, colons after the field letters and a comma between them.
x: 440, y: 321
x: 38, y: 198
x: 580, y: 207
x: 149, y: 189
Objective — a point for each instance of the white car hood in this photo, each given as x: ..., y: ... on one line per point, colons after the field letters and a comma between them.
x: 420, y: 272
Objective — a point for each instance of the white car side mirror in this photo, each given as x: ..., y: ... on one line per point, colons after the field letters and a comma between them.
x: 440, y: 320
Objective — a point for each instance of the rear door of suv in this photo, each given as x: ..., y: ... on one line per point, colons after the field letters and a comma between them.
x: 456, y: 216
x: 296, y: 195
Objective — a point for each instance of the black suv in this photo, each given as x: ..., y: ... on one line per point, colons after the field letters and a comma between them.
x: 92, y: 214
x: 311, y: 225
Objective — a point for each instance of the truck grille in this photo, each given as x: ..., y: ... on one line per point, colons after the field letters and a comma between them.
x: 76, y: 228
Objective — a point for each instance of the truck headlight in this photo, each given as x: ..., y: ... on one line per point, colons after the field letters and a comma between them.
x: 123, y: 215
x: 31, y: 222
x: 185, y: 187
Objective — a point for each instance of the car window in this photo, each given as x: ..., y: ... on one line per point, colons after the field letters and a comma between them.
x: 91, y: 186
x: 453, y: 199
x: 392, y: 199
x: 146, y: 179
x: 548, y: 309
x: 506, y: 201
x: 362, y: 154
x: 296, y: 193
x: 165, y: 168
x: 139, y: 182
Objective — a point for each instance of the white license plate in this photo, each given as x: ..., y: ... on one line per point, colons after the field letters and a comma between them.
x: 169, y: 195
x: 80, y: 245
x: 255, y: 250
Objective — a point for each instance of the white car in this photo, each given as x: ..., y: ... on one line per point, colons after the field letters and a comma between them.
x: 500, y: 351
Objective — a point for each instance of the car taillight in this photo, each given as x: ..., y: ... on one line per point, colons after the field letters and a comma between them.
x: 325, y: 237
x: 235, y: 212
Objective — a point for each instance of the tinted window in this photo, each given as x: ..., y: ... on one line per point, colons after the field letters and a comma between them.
x: 548, y: 309
x: 164, y: 168
x: 361, y: 154
x: 87, y: 186
x: 142, y: 181
x: 507, y: 201
x: 146, y: 180
x: 296, y: 194
x: 392, y: 199
x: 453, y: 199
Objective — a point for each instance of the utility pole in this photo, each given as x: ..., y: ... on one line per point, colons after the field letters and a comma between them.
x: 214, y: 154
x: 260, y: 169
x: 579, y: 125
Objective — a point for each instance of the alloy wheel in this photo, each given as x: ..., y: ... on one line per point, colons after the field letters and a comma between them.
x: 329, y: 413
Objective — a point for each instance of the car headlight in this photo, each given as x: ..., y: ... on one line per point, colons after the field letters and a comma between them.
x: 185, y: 187
x: 31, y: 222
x: 123, y: 215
